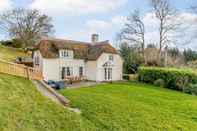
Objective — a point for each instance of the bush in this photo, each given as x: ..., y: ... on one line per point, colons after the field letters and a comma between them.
x: 16, y: 43
x: 125, y: 77
x: 191, y: 89
x: 174, y: 78
x: 182, y: 82
x: 160, y: 83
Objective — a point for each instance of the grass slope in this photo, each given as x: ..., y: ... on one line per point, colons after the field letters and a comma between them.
x: 10, y: 54
x: 133, y: 106
x: 23, y: 108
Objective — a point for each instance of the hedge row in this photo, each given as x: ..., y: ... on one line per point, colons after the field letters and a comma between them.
x: 173, y: 78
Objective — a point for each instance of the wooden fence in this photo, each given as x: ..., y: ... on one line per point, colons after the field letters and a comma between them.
x: 20, y: 70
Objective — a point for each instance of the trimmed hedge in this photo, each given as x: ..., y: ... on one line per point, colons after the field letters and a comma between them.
x: 174, y: 78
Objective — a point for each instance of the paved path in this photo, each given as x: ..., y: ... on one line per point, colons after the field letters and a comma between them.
x: 54, y: 96
x: 81, y: 84
x: 44, y: 91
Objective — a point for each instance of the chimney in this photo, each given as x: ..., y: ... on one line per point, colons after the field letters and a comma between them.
x: 95, y: 38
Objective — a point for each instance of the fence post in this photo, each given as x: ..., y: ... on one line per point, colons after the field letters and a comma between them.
x: 27, y: 69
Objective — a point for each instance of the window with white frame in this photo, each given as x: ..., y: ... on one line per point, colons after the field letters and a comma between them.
x: 111, y: 57
x: 69, y: 71
x: 108, y: 74
x: 65, y: 53
x: 66, y: 71
x: 80, y: 71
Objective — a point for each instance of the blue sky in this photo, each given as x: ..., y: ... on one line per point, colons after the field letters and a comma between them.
x: 78, y: 19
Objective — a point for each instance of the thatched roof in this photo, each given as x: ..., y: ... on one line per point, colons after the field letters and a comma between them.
x: 49, y: 48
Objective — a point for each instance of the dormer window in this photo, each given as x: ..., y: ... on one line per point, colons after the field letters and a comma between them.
x: 111, y: 57
x: 66, y: 53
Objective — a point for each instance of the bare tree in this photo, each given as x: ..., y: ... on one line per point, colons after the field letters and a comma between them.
x: 134, y: 31
x: 26, y: 25
x: 194, y: 25
x: 166, y: 16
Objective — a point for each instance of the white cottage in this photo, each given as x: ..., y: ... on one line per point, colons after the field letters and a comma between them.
x: 97, y: 61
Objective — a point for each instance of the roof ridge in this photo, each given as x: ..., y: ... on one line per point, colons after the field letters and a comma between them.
x: 75, y: 41
x: 67, y: 40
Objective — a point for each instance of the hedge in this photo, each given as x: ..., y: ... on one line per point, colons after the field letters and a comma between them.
x: 173, y: 77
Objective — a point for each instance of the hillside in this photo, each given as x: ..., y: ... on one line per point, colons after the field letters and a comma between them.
x: 23, y: 108
x: 10, y: 54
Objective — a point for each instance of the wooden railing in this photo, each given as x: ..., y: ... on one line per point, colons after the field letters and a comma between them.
x: 74, y: 79
x: 20, y: 70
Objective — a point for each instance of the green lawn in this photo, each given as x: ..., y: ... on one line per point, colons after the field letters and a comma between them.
x: 23, y: 108
x: 133, y: 106
x: 10, y: 54
x: 106, y: 107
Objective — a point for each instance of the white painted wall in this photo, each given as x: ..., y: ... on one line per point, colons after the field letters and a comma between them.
x: 91, y: 70
x: 74, y: 63
x: 116, y: 69
x: 51, y: 70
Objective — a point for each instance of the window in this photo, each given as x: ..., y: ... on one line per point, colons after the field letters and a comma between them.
x: 105, y: 73
x: 108, y: 73
x: 111, y: 57
x: 37, y: 61
x: 66, y: 71
x: 69, y: 71
x: 80, y: 71
x: 65, y: 53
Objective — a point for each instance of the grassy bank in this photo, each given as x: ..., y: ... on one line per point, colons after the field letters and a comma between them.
x: 23, y: 108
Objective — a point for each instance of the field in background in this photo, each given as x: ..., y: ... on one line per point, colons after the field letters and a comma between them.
x: 10, y: 54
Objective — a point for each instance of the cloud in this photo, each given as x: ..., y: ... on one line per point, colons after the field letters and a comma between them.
x: 184, y: 35
x: 76, y: 7
x: 5, y: 4
x: 150, y: 21
x: 106, y: 29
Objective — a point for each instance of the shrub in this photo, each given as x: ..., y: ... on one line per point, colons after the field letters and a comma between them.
x: 125, y: 77
x: 174, y: 78
x: 191, y: 89
x: 160, y: 83
x: 16, y: 43
x: 182, y: 82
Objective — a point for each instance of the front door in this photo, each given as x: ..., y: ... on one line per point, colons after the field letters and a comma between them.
x: 108, y: 74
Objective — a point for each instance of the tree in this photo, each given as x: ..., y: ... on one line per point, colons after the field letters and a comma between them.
x: 131, y: 57
x: 189, y: 55
x: 25, y: 25
x: 151, y: 46
x: 174, y: 52
x: 166, y: 16
x: 134, y: 31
